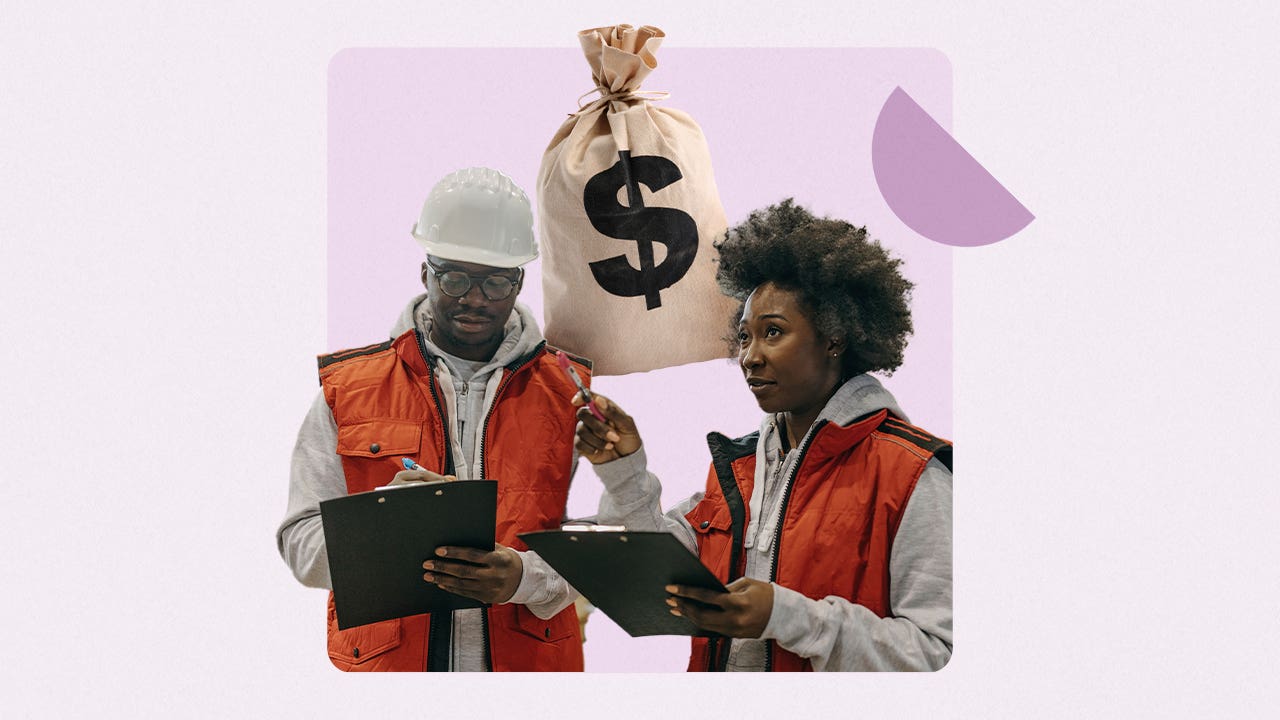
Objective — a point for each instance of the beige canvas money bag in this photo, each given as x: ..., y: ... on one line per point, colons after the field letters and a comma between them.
x: 627, y: 212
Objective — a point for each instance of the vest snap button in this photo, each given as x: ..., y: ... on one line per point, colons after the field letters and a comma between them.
x: 547, y: 633
x: 375, y: 448
x: 355, y: 652
x: 705, y: 524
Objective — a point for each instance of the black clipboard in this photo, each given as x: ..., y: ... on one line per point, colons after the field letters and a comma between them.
x: 623, y: 573
x: 378, y: 540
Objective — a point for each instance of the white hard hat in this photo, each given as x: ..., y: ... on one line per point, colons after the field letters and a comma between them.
x: 477, y: 215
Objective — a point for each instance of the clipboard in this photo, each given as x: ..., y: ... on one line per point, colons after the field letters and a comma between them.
x: 623, y: 573
x: 378, y: 540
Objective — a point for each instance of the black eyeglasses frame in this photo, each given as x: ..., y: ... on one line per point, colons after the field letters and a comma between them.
x: 439, y: 272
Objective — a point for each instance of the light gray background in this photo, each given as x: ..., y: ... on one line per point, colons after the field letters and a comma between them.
x: 163, y: 230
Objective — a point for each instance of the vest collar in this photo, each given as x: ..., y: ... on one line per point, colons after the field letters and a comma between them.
x: 832, y: 439
x: 412, y: 350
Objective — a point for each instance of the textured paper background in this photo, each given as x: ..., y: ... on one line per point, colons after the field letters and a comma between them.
x: 164, y: 224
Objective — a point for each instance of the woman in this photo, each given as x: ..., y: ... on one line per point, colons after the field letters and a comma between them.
x: 831, y: 526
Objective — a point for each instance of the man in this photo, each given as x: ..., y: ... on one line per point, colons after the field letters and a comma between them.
x: 468, y: 388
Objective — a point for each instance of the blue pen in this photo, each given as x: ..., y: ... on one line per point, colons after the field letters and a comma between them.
x: 409, y: 464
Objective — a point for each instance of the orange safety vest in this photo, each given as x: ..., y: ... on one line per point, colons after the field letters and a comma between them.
x: 387, y: 405
x: 839, y: 517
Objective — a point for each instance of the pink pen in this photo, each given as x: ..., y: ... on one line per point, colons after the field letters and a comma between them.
x: 563, y: 361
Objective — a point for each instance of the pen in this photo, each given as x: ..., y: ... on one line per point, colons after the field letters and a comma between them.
x: 409, y: 464
x: 563, y: 361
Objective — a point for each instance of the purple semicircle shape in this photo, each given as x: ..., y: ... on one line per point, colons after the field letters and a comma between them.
x: 933, y: 185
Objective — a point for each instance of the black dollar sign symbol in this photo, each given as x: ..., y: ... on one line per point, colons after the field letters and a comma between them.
x: 645, y: 225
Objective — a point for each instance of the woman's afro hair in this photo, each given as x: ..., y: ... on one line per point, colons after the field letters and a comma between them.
x: 847, y: 282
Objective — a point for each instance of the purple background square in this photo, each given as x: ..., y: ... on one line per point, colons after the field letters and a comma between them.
x: 779, y: 122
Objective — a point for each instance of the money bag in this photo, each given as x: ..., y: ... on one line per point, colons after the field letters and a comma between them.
x: 627, y: 213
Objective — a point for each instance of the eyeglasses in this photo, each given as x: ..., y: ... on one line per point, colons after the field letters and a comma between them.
x: 456, y: 283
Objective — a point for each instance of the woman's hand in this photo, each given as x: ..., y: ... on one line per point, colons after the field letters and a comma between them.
x: 743, y: 612
x: 490, y: 577
x: 600, y: 442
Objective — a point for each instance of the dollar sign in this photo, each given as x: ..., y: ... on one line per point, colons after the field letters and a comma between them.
x: 644, y: 225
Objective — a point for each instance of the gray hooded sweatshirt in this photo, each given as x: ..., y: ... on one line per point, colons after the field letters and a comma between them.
x: 833, y: 633
x: 316, y: 474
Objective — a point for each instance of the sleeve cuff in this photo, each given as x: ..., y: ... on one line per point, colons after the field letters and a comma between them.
x: 619, y: 471
x: 788, y: 622
x: 543, y: 592
x: 627, y: 479
x: 528, y: 583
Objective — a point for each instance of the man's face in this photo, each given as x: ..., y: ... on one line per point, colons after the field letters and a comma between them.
x: 469, y: 325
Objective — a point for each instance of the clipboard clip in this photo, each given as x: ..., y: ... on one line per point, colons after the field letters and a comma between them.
x: 410, y: 484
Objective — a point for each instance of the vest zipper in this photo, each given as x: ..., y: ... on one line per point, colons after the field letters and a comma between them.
x: 484, y: 472
x: 484, y: 426
x: 772, y: 646
x: 447, y: 460
x: 724, y: 452
x: 441, y: 623
x: 462, y: 423
x: 484, y: 634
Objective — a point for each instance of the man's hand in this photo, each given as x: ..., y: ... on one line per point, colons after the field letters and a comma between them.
x: 600, y: 442
x: 409, y: 477
x: 743, y: 612
x: 490, y: 577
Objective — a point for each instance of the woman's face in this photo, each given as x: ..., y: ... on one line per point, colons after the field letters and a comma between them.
x: 787, y: 363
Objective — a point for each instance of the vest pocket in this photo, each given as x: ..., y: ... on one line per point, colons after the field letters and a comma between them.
x: 552, y: 630
x: 351, y: 648
x: 380, y: 438
x: 522, y: 642
x: 710, y: 519
x: 709, y: 515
